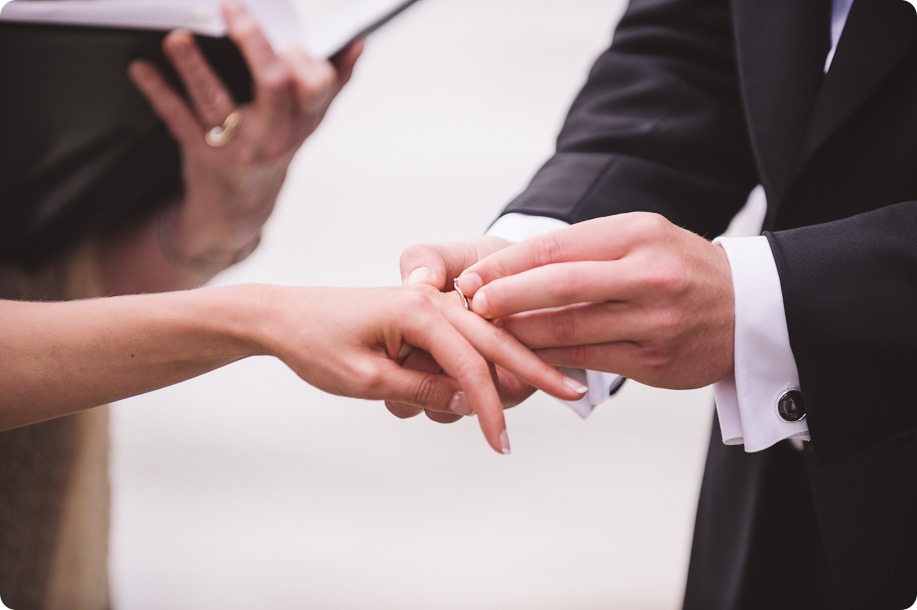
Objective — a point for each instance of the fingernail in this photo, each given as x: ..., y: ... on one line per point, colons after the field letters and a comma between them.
x: 418, y: 276
x: 504, y: 443
x: 182, y: 42
x: 460, y: 405
x: 137, y: 69
x: 575, y: 385
x: 479, y: 304
x: 470, y: 283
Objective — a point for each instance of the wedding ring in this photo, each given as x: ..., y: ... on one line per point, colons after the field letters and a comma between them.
x: 220, y: 136
x: 461, y: 294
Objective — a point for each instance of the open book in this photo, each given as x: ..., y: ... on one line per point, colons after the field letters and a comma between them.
x: 322, y: 27
x: 82, y: 152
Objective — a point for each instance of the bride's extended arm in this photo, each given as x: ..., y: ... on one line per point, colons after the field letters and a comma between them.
x: 60, y: 358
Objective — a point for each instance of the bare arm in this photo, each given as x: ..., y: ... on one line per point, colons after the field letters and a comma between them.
x: 60, y: 358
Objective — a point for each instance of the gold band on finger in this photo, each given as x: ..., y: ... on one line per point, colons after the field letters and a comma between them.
x: 220, y: 136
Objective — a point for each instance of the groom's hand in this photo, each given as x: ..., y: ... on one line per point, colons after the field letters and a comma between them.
x: 438, y: 265
x: 631, y: 293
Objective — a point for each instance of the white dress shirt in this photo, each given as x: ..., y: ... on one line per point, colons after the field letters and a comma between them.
x: 764, y: 364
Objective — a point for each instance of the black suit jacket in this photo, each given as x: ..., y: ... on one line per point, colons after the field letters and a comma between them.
x: 695, y: 103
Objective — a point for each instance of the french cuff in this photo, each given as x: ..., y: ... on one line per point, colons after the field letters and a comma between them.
x: 520, y: 227
x: 765, y: 369
x: 601, y: 387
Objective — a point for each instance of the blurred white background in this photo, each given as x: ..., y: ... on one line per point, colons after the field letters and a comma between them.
x: 248, y: 489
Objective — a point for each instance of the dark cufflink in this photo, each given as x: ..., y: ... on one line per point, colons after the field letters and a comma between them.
x: 791, y: 407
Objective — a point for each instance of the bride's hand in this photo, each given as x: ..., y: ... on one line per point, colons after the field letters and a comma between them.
x: 349, y: 342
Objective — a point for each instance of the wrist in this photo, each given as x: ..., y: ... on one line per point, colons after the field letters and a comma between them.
x: 235, y: 317
x: 196, y: 251
x: 729, y: 311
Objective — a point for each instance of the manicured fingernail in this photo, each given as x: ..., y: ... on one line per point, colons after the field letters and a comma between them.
x: 575, y: 385
x: 504, y: 443
x: 460, y: 405
x: 421, y: 275
x: 470, y: 283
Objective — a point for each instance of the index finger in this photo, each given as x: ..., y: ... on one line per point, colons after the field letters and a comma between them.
x: 248, y: 36
x: 586, y: 241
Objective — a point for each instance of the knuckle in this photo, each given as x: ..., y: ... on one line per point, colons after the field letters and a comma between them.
x: 500, y: 343
x: 277, y: 79
x: 577, y: 356
x: 667, y: 321
x: 317, y: 84
x: 551, y: 251
x: 427, y: 392
x: 419, y: 304
x: 565, y: 326
x: 668, y: 277
x: 369, y: 381
x: 246, y: 28
x: 215, y: 99
x: 655, y: 358
x: 569, y: 287
x: 473, y: 368
x: 648, y: 226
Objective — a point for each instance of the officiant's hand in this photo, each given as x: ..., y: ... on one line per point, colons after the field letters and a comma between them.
x: 235, y: 157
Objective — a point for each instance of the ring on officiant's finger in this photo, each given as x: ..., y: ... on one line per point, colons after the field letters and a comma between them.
x: 461, y: 294
x: 221, y: 135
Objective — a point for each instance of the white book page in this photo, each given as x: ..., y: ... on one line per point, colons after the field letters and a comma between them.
x: 321, y: 27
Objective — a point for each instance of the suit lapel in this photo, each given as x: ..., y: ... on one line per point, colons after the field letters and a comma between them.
x: 781, y: 47
x: 877, y: 35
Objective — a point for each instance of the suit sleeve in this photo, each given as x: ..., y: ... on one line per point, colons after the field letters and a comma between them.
x: 850, y: 289
x: 658, y: 126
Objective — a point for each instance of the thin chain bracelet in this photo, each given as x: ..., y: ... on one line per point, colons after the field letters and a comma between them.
x: 199, y: 264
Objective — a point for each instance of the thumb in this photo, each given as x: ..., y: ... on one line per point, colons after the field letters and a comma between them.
x: 435, y: 264
x: 439, y: 264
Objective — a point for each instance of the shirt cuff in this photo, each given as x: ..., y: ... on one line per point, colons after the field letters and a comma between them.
x: 519, y: 227
x: 764, y: 364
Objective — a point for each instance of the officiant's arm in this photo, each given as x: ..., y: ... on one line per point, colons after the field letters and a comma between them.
x: 232, y: 179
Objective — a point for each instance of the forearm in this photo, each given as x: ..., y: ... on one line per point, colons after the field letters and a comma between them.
x: 176, y: 249
x: 60, y: 358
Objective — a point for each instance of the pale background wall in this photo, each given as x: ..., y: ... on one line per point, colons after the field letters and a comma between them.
x: 248, y: 489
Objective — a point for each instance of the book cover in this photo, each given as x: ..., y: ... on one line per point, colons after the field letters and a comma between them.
x: 82, y: 151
